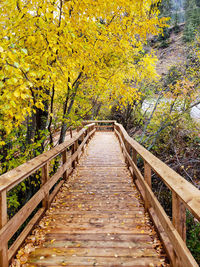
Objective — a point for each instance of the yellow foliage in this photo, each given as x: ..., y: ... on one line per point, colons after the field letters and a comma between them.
x: 46, y: 43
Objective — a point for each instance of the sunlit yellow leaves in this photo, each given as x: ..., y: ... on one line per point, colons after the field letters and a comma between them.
x: 16, y: 93
x: 42, y: 47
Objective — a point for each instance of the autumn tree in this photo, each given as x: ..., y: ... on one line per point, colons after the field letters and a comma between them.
x: 50, y: 50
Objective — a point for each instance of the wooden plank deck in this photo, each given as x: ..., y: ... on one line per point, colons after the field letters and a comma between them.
x: 98, y: 218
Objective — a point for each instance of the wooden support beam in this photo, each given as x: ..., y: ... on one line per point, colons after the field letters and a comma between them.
x: 3, y: 221
x: 76, y: 148
x: 181, y: 256
x: 45, y: 177
x: 72, y: 152
x: 82, y: 140
x: 64, y: 159
x: 87, y: 132
x: 179, y: 215
x: 15, y: 176
x: 147, y: 178
x: 127, y: 146
x: 134, y: 158
x: 71, y: 134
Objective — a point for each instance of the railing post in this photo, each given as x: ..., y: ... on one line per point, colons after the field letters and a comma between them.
x: 64, y: 159
x: 179, y: 215
x: 76, y: 148
x: 134, y: 158
x: 127, y: 146
x: 96, y: 126
x: 87, y: 131
x: 147, y: 178
x: 122, y: 138
x: 82, y: 139
x: 45, y: 177
x: 70, y: 130
x: 3, y: 221
x: 72, y: 152
x: 113, y: 126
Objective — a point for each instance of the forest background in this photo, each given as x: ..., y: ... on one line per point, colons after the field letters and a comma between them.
x: 136, y: 62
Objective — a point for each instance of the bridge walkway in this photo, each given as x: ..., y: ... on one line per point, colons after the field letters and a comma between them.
x: 98, y: 217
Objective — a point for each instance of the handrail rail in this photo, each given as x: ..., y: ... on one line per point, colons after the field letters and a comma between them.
x: 17, y: 175
x: 176, y: 183
x: 99, y: 121
x: 105, y: 125
x: 184, y: 195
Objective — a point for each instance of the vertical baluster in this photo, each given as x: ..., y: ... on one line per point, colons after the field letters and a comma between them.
x: 70, y: 130
x: 147, y: 178
x: 128, y: 150
x: 134, y: 158
x: 72, y: 152
x: 82, y: 138
x: 64, y: 159
x: 87, y: 134
x: 76, y: 148
x: 45, y: 177
x: 3, y: 221
x: 179, y: 215
x: 122, y: 144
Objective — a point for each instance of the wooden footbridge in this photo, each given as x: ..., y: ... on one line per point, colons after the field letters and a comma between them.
x: 94, y: 215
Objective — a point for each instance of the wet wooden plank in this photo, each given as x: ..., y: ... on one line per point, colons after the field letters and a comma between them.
x: 97, y: 218
x: 100, y: 237
x: 100, y: 261
x: 97, y: 244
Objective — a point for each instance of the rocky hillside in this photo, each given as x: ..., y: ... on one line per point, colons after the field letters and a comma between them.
x: 175, y: 52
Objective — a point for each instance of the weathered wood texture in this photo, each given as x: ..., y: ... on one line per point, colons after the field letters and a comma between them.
x: 184, y: 195
x: 98, y: 218
x: 15, y: 176
x: 103, y: 125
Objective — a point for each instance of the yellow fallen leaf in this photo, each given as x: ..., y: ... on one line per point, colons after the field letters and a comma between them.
x: 52, y: 241
x: 23, y: 260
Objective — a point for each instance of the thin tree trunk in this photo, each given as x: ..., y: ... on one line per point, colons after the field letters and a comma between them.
x: 51, y: 117
x: 67, y: 109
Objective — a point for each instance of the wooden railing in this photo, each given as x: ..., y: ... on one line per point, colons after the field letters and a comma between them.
x: 103, y: 125
x: 184, y: 196
x: 70, y: 152
x: 172, y: 232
